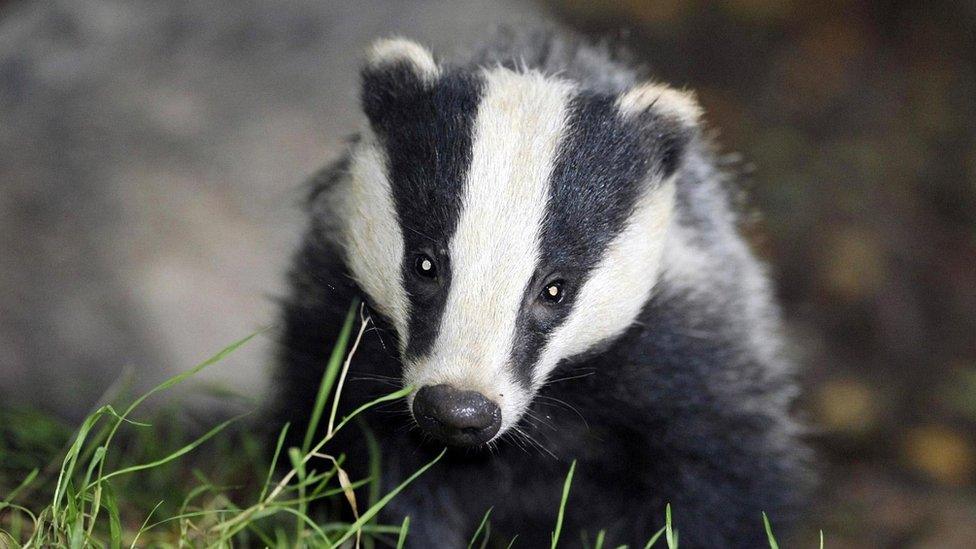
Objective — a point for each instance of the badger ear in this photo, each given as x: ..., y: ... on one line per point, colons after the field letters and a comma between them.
x: 396, y: 71
x: 677, y: 105
x: 388, y: 53
x: 670, y: 118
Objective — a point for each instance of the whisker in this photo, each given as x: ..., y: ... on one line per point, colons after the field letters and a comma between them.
x: 378, y: 331
x: 428, y: 237
x: 513, y: 436
x: 566, y: 405
x: 405, y: 428
x: 568, y: 378
x: 530, y: 415
x: 519, y: 436
x: 386, y: 380
x: 535, y: 442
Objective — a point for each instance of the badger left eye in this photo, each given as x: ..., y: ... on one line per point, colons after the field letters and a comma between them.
x: 553, y: 292
x: 425, y: 266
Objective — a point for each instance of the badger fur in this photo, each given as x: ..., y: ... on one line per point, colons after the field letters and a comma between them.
x: 547, y: 253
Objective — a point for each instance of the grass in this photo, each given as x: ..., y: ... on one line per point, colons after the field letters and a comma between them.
x: 117, y: 481
x: 562, y: 505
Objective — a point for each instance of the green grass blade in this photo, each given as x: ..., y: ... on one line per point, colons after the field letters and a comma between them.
x: 295, y: 457
x: 481, y: 527
x: 183, y: 376
x: 344, y: 370
x: 329, y: 376
x: 392, y: 396
x: 20, y: 487
x: 307, y: 520
x: 404, y: 529
x: 182, y: 451
x: 114, y: 521
x: 180, y: 516
x: 670, y: 534
x: 657, y: 535
x: 821, y: 539
x: 375, y: 463
x: 96, y: 460
x: 142, y: 528
x: 512, y: 543
x: 15, y: 533
x: 600, y: 538
x: 769, y: 533
x: 96, y: 497
x: 367, y: 528
x: 69, y: 463
x: 197, y: 491
x: 77, y: 532
x: 562, y: 505
x: 321, y: 493
x: 374, y: 509
x: 274, y: 460
x: 484, y: 540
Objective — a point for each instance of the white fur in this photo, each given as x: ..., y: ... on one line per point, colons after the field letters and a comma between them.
x: 391, y: 50
x: 690, y: 270
x: 677, y: 104
x: 619, y: 286
x: 371, y: 234
x: 495, y: 249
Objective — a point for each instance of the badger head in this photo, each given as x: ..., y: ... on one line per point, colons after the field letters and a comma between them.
x: 503, y: 221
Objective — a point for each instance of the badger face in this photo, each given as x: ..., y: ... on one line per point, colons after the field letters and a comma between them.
x: 503, y: 221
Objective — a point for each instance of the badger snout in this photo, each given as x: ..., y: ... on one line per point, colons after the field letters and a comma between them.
x: 456, y: 417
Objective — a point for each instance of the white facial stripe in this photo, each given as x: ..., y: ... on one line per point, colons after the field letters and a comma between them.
x: 371, y: 234
x: 618, y: 287
x: 494, y: 251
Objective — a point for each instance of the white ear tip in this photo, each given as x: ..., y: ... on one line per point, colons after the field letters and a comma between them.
x: 677, y: 103
x: 388, y: 51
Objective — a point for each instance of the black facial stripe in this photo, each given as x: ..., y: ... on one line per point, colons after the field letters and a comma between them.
x: 599, y: 174
x: 426, y: 129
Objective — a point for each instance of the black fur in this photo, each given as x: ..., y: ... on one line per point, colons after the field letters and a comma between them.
x: 687, y: 407
x: 426, y: 132
x: 600, y: 171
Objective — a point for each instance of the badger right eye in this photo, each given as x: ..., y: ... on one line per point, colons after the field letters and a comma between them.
x: 425, y: 267
x: 553, y: 292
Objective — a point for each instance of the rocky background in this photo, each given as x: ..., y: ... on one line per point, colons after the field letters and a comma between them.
x: 152, y: 154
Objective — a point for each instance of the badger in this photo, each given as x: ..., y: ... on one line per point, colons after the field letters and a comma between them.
x: 547, y: 250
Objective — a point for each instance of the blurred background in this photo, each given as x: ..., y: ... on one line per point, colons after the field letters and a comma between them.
x: 152, y: 154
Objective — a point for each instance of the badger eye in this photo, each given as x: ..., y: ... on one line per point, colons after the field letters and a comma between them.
x: 425, y: 266
x: 553, y: 292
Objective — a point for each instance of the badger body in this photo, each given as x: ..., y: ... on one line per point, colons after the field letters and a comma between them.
x: 548, y: 255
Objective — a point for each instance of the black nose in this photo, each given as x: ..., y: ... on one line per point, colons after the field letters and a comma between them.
x: 459, y: 418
